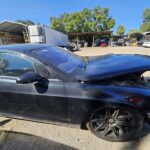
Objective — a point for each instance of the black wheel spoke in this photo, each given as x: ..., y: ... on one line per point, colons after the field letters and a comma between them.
x: 101, y: 126
x: 102, y: 120
x: 125, y: 124
x: 122, y: 123
x: 106, y: 130
x: 124, y: 117
x: 116, y: 113
x: 120, y: 128
x: 115, y: 131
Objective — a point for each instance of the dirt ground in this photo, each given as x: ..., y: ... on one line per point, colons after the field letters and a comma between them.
x: 24, y: 135
x: 116, y: 50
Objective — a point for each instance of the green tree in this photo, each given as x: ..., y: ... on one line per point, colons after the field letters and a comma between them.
x: 86, y: 20
x: 132, y: 31
x: 146, y: 21
x: 57, y: 24
x: 145, y: 27
x: 26, y: 22
x: 146, y: 15
x: 120, y: 30
x: 135, y: 34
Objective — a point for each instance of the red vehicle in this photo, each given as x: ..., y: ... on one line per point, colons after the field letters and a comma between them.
x: 103, y: 45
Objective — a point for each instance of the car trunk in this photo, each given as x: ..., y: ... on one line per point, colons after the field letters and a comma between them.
x: 114, y: 66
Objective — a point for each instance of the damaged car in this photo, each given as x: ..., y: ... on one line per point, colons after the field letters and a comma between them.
x: 108, y: 95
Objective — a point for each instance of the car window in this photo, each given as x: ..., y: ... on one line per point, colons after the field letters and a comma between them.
x: 13, y: 65
x: 62, y: 59
x: 41, y: 69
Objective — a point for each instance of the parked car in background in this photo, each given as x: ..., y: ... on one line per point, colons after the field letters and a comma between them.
x: 104, y: 94
x: 72, y: 47
x: 101, y: 43
x: 140, y: 43
x: 121, y: 42
x: 146, y: 44
x: 113, y: 44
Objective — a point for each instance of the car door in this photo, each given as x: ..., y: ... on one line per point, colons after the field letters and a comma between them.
x: 46, y: 102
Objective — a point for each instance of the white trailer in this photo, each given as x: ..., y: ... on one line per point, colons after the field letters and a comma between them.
x: 43, y: 34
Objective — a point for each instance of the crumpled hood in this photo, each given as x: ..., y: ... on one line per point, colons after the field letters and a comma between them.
x: 108, y: 66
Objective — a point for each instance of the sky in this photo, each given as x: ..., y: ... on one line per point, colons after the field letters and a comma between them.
x: 125, y: 12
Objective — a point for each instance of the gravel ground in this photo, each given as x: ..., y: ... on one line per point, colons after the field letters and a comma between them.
x: 24, y: 135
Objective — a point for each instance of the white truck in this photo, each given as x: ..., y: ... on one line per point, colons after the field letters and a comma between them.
x: 43, y: 34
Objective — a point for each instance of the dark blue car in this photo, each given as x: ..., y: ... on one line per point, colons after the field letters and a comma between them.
x: 106, y: 94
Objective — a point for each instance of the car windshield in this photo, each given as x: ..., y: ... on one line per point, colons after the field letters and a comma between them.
x: 62, y: 59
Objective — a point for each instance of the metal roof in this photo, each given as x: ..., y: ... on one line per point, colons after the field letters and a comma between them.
x: 12, y: 27
x: 91, y: 33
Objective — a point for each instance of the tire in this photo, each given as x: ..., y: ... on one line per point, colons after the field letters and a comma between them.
x: 116, y: 124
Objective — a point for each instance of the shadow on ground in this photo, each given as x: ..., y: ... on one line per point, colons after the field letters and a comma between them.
x: 65, y: 139
x: 20, y: 141
x: 141, y: 142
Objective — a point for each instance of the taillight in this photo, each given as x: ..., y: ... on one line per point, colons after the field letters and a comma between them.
x: 136, y: 100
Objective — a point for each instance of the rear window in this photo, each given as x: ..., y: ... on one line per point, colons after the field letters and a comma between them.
x: 60, y: 58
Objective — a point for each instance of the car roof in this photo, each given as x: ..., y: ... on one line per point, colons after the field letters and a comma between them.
x: 23, y: 48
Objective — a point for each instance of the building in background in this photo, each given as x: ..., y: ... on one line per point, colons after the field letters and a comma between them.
x: 91, y: 38
x: 13, y: 33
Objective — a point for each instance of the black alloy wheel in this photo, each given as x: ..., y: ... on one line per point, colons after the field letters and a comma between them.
x: 115, y: 123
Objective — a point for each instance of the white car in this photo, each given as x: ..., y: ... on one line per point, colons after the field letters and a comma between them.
x: 146, y: 44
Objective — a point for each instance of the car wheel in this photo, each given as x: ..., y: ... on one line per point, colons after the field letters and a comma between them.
x: 115, y: 123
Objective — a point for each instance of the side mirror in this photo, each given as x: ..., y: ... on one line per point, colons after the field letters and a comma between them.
x: 29, y: 77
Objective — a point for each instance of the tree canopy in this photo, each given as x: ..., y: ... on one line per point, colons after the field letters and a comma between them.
x: 146, y: 21
x: 132, y: 31
x: 146, y: 15
x: 145, y: 27
x: 26, y: 22
x: 87, y: 20
x: 136, y: 34
x: 120, y: 30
